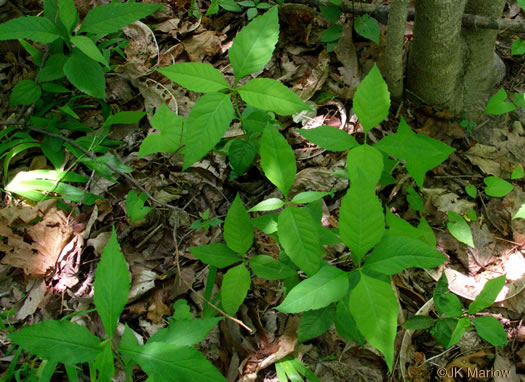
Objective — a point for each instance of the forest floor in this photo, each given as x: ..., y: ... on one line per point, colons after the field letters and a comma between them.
x: 495, y: 147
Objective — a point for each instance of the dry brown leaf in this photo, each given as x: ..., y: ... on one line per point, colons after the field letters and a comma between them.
x: 205, y: 44
x: 157, y: 309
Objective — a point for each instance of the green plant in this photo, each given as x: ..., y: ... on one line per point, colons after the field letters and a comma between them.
x: 453, y: 321
x: 294, y: 370
x: 168, y: 355
x: 205, y: 222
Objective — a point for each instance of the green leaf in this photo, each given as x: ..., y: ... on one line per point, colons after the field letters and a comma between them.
x: 332, y: 33
x: 445, y: 302
x: 173, y: 363
x: 112, y: 285
x: 487, y: 295
x: 414, y: 200
x: 25, y: 92
x: 372, y: 100
x: 497, y: 187
x: 104, y: 363
x: 458, y: 332
x: 58, y: 341
x: 521, y: 4
x: 345, y: 324
x: 253, y: 46
x: 238, y: 230
x: 277, y: 159
x: 196, y: 76
x: 266, y: 267
x: 85, y: 74
x: 497, y: 104
x: 230, y: 5
x: 39, y: 29
x: 331, y: 13
x: 126, y: 117
x: 308, y: 197
x: 267, y: 205
x: 374, y: 306
x: 490, y: 330
x: 271, y: 95
x: 53, y: 68
x: 419, y: 152
x: 168, y: 141
x: 365, y: 165
x: 368, y: 27
x: 216, y: 254
x: 241, y: 154
x: 88, y: 47
x: 361, y: 221
x: 185, y: 332
x: 235, y: 286
x: 518, y: 47
x: 68, y: 14
x: 34, y: 52
x: 418, y: 322
x: 135, y: 208
x: 209, y: 119
x: 521, y: 213
x: 471, y: 191
x: 459, y: 228
x: 328, y: 285
x: 113, y: 17
x: 517, y: 173
x: 329, y: 138
x: 395, y: 253
x: 299, y: 237
x: 266, y: 223
x: 443, y: 329
x: 314, y: 323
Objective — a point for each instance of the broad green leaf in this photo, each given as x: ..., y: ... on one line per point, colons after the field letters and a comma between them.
x: 209, y: 119
x: 419, y: 152
x: 490, y: 330
x: 314, y: 323
x: 395, y: 253
x: 53, y: 68
x: 277, y: 159
x: 374, y: 306
x: 271, y: 95
x: 427, y: 233
x: 241, y: 154
x: 521, y: 213
x: 216, y: 254
x: 113, y: 17
x: 365, y: 165
x: 230, y: 5
x: 112, y: 285
x: 299, y: 237
x: 85, y: 74
x: 88, y: 47
x: 255, y: 120
x: 497, y: 187
x: 328, y: 285
x: 518, y: 47
x: 182, y: 310
x: 173, y: 363
x: 458, y: 332
x: 308, y: 197
x: 418, y: 322
x: 459, y: 228
x: 471, y: 191
x: 372, y: 100
x: 517, y: 173
x: 445, y: 302
x: 196, y: 76
x: 443, y: 329
x: 345, y: 324
x: 267, y: 205
x: 135, y: 208
x: 497, y: 104
x: 39, y: 29
x: 266, y: 223
x: 330, y: 13
x: 361, y: 221
x: 104, y: 363
x: 521, y: 4
x: 126, y: 117
x: 168, y: 141
x: 185, y: 332
x: 25, y: 92
x: 253, y: 46
x: 238, y: 230
x: 487, y: 295
x: 266, y: 267
x: 414, y: 200
x: 58, y: 341
x: 68, y: 14
x: 368, y: 27
x: 235, y: 286
x: 53, y: 150
x: 329, y: 138
x: 332, y: 34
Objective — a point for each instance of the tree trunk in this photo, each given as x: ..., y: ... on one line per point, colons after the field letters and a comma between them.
x: 451, y: 66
